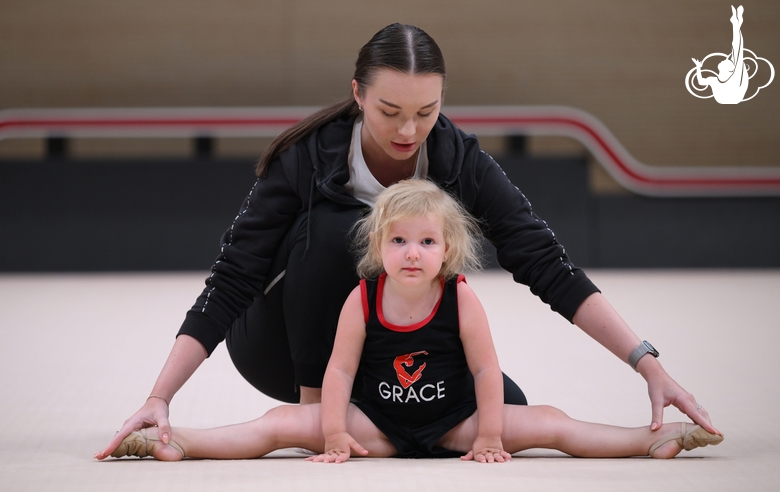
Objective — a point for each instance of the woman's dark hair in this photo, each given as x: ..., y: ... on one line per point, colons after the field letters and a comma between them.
x: 401, y: 47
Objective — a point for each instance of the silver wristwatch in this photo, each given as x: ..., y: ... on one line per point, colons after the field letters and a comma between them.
x: 643, y: 349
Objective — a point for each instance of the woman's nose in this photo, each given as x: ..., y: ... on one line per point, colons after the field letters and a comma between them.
x: 408, y: 128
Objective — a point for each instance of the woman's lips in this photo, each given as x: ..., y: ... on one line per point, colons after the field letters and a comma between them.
x: 402, y: 147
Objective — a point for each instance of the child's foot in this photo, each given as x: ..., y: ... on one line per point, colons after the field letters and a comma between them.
x: 147, y: 443
x: 688, y: 437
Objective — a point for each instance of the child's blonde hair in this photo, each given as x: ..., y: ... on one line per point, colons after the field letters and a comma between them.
x: 412, y: 198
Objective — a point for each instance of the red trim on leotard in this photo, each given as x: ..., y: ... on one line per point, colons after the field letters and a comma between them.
x: 364, y: 297
x: 402, y: 328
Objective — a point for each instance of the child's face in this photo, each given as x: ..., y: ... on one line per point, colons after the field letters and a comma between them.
x: 413, y: 250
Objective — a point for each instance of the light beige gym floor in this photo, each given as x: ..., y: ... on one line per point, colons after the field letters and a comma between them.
x: 80, y: 353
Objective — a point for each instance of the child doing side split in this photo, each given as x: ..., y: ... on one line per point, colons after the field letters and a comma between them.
x: 416, y: 330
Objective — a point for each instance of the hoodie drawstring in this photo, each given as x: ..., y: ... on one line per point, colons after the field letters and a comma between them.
x: 308, y: 218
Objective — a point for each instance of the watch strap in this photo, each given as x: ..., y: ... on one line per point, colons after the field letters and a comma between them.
x: 640, y: 351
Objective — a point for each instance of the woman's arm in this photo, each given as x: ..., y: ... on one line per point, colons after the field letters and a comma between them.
x: 598, y: 318
x: 488, y: 381
x: 185, y: 357
x: 529, y: 250
x: 248, y: 248
x: 525, y: 245
x: 338, y: 381
x: 247, y: 251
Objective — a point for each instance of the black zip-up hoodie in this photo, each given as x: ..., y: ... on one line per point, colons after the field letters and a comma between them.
x: 315, y: 169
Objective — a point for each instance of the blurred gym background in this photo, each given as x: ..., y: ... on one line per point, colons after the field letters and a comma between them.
x: 138, y: 204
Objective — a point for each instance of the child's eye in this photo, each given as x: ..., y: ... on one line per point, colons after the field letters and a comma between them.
x: 427, y: 241
x: 398, y: 240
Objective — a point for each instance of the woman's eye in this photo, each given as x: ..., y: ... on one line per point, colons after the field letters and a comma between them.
x: 388, y: 114
x: 425, y: 115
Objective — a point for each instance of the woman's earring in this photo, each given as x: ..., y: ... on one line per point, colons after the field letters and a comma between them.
x: 360, y: 108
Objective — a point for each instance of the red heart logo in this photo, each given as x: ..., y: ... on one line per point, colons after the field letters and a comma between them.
x: 407, y: 360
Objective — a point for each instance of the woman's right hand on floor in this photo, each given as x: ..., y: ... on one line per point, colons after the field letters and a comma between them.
x: 153, y: 413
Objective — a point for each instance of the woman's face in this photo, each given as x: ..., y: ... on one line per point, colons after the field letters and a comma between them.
x: 399, y: 110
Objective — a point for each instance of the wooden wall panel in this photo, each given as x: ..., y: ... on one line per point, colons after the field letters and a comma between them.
x: 622, y: 61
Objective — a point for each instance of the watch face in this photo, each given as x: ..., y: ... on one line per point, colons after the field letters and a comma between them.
x: 652, y: 349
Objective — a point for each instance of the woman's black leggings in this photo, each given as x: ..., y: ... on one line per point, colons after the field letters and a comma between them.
x: 285, y: 338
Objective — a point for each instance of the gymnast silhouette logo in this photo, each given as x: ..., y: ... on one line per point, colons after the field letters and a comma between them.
x: 407, y: 360
x: 735, y: 70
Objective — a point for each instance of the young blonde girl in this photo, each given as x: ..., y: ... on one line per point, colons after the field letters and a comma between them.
x: 417, y: 332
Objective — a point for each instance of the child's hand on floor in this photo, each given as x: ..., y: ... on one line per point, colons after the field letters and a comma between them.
x: 487, y: 450
x: 337, y: 449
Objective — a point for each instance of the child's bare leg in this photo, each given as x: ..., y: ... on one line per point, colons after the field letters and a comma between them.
x: 281, y: 427
x: 548, y: 427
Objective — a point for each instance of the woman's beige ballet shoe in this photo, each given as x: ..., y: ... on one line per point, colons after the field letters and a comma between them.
x: 136, y: 444
x: 689, y: 437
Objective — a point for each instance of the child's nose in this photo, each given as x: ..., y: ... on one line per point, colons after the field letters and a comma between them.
x: 412, y: 253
